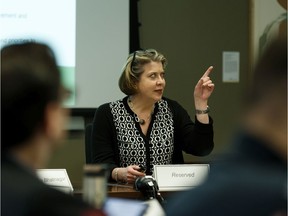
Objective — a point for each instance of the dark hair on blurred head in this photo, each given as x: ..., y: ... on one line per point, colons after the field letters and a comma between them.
x: 270, y: 74
x: 30, y: 79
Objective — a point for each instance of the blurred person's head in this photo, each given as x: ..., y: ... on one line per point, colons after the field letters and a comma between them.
x: 267, y: 97
x: 32, y: 116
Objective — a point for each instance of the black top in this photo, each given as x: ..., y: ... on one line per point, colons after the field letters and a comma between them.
x: 117, y: 138
x: 23, y: 194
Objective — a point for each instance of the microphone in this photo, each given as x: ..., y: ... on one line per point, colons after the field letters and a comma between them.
x: 148, y: 186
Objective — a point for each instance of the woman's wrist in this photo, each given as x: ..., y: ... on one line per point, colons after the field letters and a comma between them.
x: 202, y: 111
x: 115, y: 174
x: 118, y: 174
x: 200, y: 104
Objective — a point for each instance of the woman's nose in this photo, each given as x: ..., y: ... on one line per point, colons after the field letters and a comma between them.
x: 160, y: 80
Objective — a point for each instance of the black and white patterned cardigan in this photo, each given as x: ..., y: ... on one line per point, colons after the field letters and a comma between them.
x: 117, y: 138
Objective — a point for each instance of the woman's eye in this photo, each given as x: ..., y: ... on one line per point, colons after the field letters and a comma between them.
x: 155, y: 75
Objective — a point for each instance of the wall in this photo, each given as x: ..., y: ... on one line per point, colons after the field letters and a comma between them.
x: 192, y: 35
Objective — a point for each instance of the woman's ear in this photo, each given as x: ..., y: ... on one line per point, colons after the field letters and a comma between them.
x: 135, y: 85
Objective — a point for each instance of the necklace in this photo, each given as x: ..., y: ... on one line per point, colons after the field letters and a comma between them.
x: 141, y: 121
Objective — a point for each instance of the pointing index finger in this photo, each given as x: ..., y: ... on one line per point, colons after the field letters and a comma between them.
x: 208, y: 71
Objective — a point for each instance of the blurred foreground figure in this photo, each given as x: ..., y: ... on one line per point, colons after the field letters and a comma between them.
x: 253, y: 181
x: 32, y: 122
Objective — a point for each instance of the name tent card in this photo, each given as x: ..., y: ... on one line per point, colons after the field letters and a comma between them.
x: 56, y: 178
x: 180, y: 176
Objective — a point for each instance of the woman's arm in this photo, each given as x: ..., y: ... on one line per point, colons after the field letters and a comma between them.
x: 103, y: 139
x: 202, y: 92
x: 194, y: 138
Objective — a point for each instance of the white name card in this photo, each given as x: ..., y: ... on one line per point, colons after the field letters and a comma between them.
x: 57, y: 178
x: 180, y: 177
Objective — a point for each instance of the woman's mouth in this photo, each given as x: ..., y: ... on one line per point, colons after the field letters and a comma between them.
x: 159, y: 91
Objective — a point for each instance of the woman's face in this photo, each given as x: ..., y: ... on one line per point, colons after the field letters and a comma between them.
x: 152, y: 82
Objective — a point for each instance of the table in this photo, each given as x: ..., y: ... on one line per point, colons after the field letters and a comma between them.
x: 123, y: 191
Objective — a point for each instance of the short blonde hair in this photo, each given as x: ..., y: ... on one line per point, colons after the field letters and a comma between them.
x: 134, y: 67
